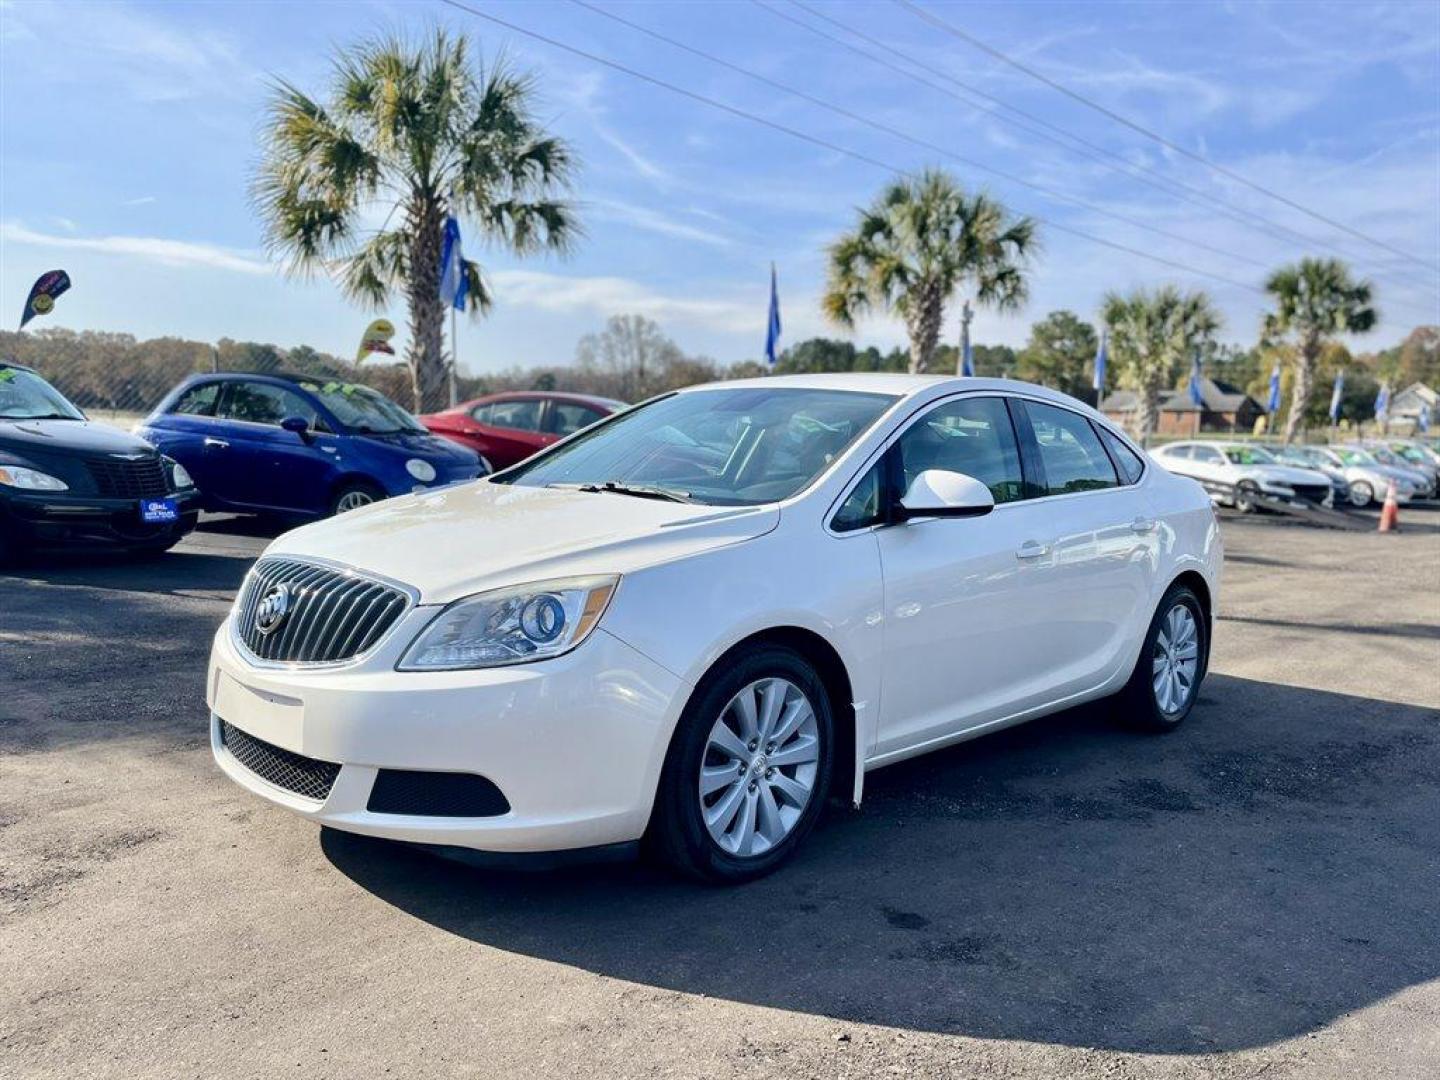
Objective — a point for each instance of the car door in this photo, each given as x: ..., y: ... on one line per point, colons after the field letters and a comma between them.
x: 961, y: 594
x: 510, y: 430
x: 1104, y: 556
x: 188, y: 431
x: 263, y: 466
x: 564, y: 418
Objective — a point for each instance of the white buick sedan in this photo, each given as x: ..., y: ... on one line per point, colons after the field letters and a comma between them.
x: 688, y: 625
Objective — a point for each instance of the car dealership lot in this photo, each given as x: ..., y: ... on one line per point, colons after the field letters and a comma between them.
x: 1255, y: 894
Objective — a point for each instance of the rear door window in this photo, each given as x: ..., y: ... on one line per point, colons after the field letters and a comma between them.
x: 1070, y: 451
x: 566, y: 417
x: 1126, y: 460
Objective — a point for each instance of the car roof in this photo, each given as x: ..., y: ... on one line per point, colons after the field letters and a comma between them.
x: 17, y: 367
x: 898, y: 384
x: 548, y: 395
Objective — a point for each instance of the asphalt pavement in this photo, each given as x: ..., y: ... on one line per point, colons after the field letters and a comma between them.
x: 1255, y: 894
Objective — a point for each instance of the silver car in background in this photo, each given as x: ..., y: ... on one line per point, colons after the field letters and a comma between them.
x: 1415, y: 456
x: 1243, y: 475
x: 1422, y: 481
x: 1366, y: 480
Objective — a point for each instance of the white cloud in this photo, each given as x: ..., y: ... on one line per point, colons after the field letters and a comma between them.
x: 605, y: 296
x: 642, y: 217
x: 149, y: 248
x: 143, y: 200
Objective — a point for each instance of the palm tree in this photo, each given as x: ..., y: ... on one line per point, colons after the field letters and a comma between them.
x: 1152, y: 334
x: 917, y: 243
x: 1315, y: 299
x: 410, y: 134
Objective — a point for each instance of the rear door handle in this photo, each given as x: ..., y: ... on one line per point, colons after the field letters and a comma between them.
x: 216, y: 442
x: 1032, y: 549
x: 1142, y: 525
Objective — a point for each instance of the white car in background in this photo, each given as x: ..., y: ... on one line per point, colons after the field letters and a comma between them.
x: 1239, y: 474
x: 1367, y: 480
x: 690, y: 623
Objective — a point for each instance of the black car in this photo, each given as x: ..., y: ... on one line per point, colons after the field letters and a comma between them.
x: 68, y: 483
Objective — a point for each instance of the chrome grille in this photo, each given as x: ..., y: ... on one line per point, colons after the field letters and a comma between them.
x: 332, y: 615
x: 115, y: 479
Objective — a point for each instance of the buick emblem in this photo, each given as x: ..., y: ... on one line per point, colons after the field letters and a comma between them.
x: 273, y: 608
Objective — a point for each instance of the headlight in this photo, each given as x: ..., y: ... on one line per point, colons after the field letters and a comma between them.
x: 17, y: 476
x: 420, y: 470
x: 511, y: 626
x: 179, y: 475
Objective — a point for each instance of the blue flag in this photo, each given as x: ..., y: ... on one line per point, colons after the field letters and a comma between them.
x: 1274, y: 405
x: 1336, y: 395
x: 1101, y: 359
x: 772, y: 324
x: 1382, y: 402
x: 454, y: 282
x: 967, y: 359
x: 1196, y: 394
x: 1422, y: 422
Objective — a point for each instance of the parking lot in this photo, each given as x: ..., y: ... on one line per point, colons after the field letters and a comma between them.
x: 1256, y: 894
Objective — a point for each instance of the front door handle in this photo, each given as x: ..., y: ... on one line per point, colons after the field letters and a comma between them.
x: 1032, y: 549
x: 1142, y: 525
x: 221, y: 443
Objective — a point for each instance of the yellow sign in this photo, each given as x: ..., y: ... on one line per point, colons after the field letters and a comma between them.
x: 43, y: 304
x: 376, y: 339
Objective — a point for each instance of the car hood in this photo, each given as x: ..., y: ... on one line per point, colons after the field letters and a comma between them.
x: 471, y: 537
x: 422, y: 444
x: 69, y: 437
x: 1285, y: 474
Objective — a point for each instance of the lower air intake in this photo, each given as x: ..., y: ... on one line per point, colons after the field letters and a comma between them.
x: 435, y: 794
x: 304, y: 776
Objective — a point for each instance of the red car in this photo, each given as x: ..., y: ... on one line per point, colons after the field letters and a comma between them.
x: 508, y: 428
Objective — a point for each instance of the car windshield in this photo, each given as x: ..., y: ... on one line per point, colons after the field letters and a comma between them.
x: 26, y: 396
x: 1355, y: 457
x: 1249, y: 455
x: 1409, y: 453
x: 1385, y: 457
x: 721, y: 447
x: 362, y: 410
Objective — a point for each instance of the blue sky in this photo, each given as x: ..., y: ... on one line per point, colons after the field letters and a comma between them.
x: 128, y: 130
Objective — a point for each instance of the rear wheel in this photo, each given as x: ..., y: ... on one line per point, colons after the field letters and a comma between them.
x: 1361, y: 494
x: 748, y: 769
x: 354, y: 495
x: 1173, y: 660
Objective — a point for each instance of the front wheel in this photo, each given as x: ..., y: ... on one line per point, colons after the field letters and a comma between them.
x: 1173, y: 661
x: 1361, y: 494
x: 1247, y: 497
x: 354, y: 495
x: 748, y: 769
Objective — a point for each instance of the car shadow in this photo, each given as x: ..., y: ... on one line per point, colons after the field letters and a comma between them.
x: 1264, y: 870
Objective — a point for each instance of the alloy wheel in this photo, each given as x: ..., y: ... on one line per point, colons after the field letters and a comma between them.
x: 1176, y: 659
x: 353, y: 500
x: 758, y: 772
x: 1360, y: 494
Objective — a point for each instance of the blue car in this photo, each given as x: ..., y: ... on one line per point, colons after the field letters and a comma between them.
x: 297, y: 445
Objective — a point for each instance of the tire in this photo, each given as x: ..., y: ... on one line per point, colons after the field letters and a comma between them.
x: 354, y: 494
x: 1247, y: 495
x: 1361, y: 494
x: 1144, y: 706
x: 763, y: 794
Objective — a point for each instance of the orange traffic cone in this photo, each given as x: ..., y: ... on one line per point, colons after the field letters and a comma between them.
x: 1390, y: 514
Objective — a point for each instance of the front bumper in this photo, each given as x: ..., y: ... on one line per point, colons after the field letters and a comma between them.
x: 47, y: 521
x: 574, y: 744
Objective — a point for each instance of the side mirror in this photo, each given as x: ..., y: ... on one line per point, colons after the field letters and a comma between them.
x: 298, y: 426
x: 941, y: 493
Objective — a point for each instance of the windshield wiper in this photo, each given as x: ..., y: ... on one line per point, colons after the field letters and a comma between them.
x: 639, y: 491
x: 44, y: 416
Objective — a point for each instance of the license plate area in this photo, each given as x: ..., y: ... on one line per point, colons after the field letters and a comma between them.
x: 158, y: 511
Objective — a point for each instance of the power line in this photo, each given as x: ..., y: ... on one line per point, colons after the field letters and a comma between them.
x: 914, y: 140
x: 816, y: 140
x: 1108, y: 158
x: 955, y: 31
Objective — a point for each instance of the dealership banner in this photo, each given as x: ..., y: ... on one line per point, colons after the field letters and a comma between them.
x: 43, y: 293
x: 376, y: 339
